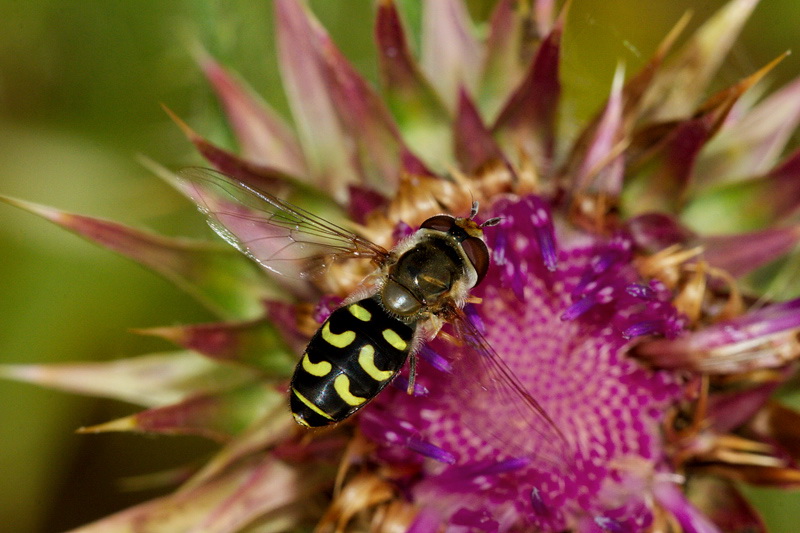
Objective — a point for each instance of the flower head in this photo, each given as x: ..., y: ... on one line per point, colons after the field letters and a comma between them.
x: 612, y: 369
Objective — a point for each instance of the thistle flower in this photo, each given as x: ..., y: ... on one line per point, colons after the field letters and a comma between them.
x: 652, y: 351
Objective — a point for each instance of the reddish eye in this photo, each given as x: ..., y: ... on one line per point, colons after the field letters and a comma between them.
x: 478, y: 255
x: 439, y: 223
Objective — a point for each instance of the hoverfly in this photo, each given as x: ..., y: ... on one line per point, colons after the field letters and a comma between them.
x: 416, y: 287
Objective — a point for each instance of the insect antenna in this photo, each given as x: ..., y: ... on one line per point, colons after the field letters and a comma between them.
x: 474, y: 210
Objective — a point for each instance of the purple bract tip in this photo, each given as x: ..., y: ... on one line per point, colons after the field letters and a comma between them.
x: 608, y: 524
x: 430, y: 450
x: 647, y: 327
x: 545, y: 234
x: 427, y: 354
x: 401, y: 382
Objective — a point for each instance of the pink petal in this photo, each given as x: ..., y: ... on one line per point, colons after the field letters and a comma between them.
x: 661, y: 173
x: 596, y: 159
x: 636, y: 88
x: 474, y: 145
x: 263, y: 136
x: 652, y: 232
x: 228, y: 503
x: 275, y: 427
x: 399, y: 70
x: 269, y: 486
x: 284, y: 316
x: 728, y: 411
x: 758, y: 202
x: 149, y: 380
x: 721, y: 501
x: 451, y: 55
x: 325, y: 142
x: 254, y: 174
x: 631, y: 98
x: 782, y: 187
x: 679, y: 86
x: 364, y: 201
x: 760, y: 339
x: 506, y: 56
x: 752, y: 145
x: 528, y: 118
x: 690, y: 519
x: 217, y: 416
x: 779, y: 423
x: 382, y: 154
x: 740, y: 254
x: 255, y: 344
x: 414, y: 103
x: 659, y: 180
x: 785, y: 477
x: 543, y: 15
x: 220, y: 280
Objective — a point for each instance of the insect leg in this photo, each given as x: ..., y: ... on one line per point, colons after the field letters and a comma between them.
x: 412, y: 375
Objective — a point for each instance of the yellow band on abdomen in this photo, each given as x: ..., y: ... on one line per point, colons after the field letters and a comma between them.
x: 342, y: 386
x: 394, y: 339
x: 340, y: 340
x: 366, y: 359
x: 316, y: 369
x: 360, y: 313
x: 310, y: 405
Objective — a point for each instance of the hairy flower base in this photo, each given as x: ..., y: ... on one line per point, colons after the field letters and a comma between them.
x: 564, y: 334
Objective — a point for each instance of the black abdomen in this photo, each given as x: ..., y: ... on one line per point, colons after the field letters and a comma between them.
x: 349, y: 360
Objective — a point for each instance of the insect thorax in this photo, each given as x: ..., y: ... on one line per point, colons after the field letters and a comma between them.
x: 426, y: 276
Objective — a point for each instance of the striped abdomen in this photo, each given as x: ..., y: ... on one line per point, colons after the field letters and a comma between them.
x: 350, y: 359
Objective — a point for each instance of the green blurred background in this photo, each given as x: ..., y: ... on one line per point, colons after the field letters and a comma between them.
x: 80, y: 87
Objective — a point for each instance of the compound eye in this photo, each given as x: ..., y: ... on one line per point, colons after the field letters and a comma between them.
x: 478, y: 255
x: 441, y: 223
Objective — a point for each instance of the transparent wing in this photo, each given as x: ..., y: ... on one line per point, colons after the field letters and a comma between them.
x: 283, y: 238
x: 495, y: 405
